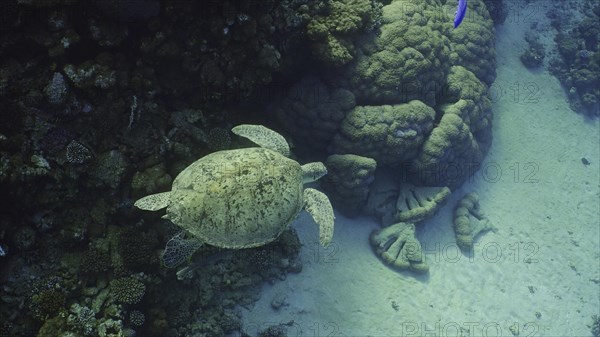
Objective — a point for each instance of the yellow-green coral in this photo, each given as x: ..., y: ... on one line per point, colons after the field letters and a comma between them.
x: 407, y: 60
x: 473, y: 44
x: 47, y: 303
x: 390, y: 134
x: 457, y: 144
x: 347, y: 181
x: 332, y: 32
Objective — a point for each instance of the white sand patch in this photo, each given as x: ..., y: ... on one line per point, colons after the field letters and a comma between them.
x: 539, y: 273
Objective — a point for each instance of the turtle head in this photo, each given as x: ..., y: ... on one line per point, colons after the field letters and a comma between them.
x: 313, y: 171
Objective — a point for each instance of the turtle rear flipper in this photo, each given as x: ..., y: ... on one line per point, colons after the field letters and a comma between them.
x: 319, y: 207
x: 153, y: 202
x: 179, y: 250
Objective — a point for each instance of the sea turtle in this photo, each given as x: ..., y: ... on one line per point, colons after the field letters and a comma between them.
x: 241, y: 198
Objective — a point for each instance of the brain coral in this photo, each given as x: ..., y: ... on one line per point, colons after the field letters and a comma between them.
x: 414, y: 51
x: 406, y: 60
x: 457, y: 145
x: 390, y: 134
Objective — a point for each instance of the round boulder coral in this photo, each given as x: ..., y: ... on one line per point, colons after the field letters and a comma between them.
x: 331, y: 33
x: 390, y: 134
x: 312, y: 110
x: 348, y: 180
x: 406, y: 61
x: 456, y: 146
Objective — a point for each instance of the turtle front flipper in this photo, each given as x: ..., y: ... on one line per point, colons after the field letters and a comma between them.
x: 179, y: 250
x: 319, y: 207
x: 264, y: 137
x: 153, y: 202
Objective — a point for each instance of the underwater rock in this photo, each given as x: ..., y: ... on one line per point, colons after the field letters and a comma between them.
x: 497, y: 10
x: 469, y: 222
x: 595, y: 326
x: 578, y: 64
x: 348, y: 180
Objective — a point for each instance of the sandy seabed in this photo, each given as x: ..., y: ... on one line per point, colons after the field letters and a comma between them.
x: 538, y: 275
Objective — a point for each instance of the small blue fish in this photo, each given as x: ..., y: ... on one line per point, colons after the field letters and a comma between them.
x: 460, y: 12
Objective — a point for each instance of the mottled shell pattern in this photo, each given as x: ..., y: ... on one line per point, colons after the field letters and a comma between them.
x: 238, y: 198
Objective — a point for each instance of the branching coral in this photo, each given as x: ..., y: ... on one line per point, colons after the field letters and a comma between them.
x: 128, y: 290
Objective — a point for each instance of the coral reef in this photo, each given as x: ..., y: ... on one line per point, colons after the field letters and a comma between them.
x: 534, y: 55
x: 497, y: 9
x: 106, y: 101
x: 419, y: 96
x: 578, y: 64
